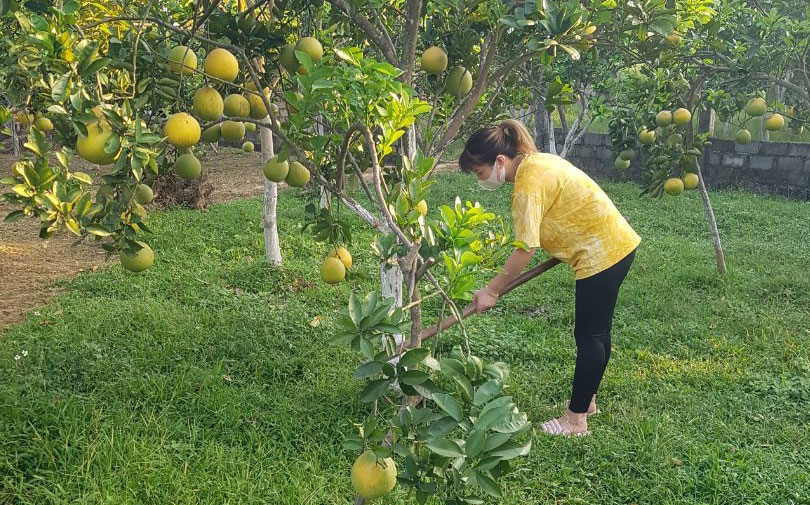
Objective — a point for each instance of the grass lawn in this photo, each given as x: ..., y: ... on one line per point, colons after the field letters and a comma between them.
x: 208, y: 379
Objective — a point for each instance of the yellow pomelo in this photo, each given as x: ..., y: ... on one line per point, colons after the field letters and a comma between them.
x: 690, y: 181
x: 434, y: 60
x: 43, y: 124
x: 459, y: 82
x: 257, y: 108
x: 236, y: 106
x: 343, y: 255
x: 182, y: 130
x: 681, y: 117
x: 646, y: 137
x: 312, y: 47
x: 143, y: 194
x: 23, y: 118
x: 187, y: 166
x: 250, y: 127
x: 673, y: 186
x: 211, y: 135
x: 233, y: 130
x: 298, y: 175
x: 774, y: 122
x: 287, y: 58
x: 332, y: 270
x: 422, y: 207
x: 373, y: 477
x: 756, y: 107
x: 137, y: 261
x: 663, y: 118
x: 221, y: 64
x: 248, y: 147
x: 743, y: 137
x: 208, y: 104
x: 91, y: 147
x: 182, y: 59
x: 276, y: 171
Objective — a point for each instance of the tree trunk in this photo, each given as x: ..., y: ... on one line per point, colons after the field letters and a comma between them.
x: 707, y: 204
x: 706, y: 121
x: 552, y: 142
x: 540, y: 125
x: 272, y: 249
x: 563, y: 120
x: 763, y: 133
x: 15, y: 139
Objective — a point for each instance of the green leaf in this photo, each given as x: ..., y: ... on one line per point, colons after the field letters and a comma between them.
x: 98, y: 229
x: 368, y: 369
x: 464, y: 387
x: 414, y: 357
x: 60, y: 88
x: 81, y: 176
x: 57, y: 109
x: 374, y: 390
x: 511, y: 450
x: 475, y: 443
x: 15, y: 215
x: 445, y: 447
x: 486, y: 483
x: 112, y: 144
x: 70, y: 7
x: 452, y: 367
x: 448, y: 404
x: 413, y: 377
x: 488, y: 463
x: 496, y: 440
x: 512, y: 423
x: 442, y: 427
x: 488, y: 391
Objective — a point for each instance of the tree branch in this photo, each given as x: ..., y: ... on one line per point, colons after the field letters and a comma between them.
x: 374, y: 34
x: 410, y: 39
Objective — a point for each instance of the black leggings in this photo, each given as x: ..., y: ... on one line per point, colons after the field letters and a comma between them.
x: 595, y: 302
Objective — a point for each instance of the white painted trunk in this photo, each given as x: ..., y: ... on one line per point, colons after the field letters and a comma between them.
x: 552, y: 142
x: 272, y: 248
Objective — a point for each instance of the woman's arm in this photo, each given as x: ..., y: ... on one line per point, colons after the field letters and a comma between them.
x: 486, y: 298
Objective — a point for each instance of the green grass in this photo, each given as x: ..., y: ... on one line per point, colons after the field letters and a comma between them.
x: 202, y: 380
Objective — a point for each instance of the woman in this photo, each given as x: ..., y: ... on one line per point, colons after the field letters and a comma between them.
x: 558, y: 207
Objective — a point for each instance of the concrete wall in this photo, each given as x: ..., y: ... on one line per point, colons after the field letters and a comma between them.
x: 762, y: 167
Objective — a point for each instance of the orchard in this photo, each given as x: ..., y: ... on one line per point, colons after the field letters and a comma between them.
x: 349, y: 112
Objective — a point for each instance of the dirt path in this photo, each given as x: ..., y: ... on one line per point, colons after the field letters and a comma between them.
x: 29, y: 266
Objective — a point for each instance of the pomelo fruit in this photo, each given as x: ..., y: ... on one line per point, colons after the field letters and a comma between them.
x: 43, y: 124
x: 137, y: 261
x: 434, y: 60
x: 182, y: 60
x: 182, y: 130
x: 674, y: 40
x: 422, y: 207
x: 373, y: 477
x: 250, y: 127
x: 675, y: 140
x: 459, y: 82
x: 673, y: 186
x: 343, y: 255
x: 621, y: 164
x: 248, y: 147
x: 312, y: 47
x: 681, y: 117
x: 276, y: 171
x: 208, y: 104
x: 287, y: 58
x: 298, y: 175
x: 233, y: 130
x: 332, y: 270
x: 221, y: 64
x: 187, y: 166
x: 627, y: 154
x: 756, y: 107
x: 257, y: 108
x: 646, y: 137
x: 743, y: 137
x: 23, y: 118
x: 91, y: 147
x: 663, y: 118
x: 211, y: 135
x: 236, y: 106
x: 143, y: 194
x: 774, y: 122
x: 690, y: 181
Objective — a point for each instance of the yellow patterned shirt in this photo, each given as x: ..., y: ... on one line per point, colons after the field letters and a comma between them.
x: 556, y: 206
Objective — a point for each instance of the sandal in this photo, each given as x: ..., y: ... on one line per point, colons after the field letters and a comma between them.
x: 553, y: 427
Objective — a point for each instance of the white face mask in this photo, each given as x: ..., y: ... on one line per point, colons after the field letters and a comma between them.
x: 495, y: 180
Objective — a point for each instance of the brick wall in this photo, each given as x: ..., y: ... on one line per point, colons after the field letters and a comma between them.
x: 762, y: 167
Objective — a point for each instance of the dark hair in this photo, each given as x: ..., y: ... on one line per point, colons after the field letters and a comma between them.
x: 508, y: 138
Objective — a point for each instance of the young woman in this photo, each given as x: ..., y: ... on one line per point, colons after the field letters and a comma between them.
x: 558, y: 207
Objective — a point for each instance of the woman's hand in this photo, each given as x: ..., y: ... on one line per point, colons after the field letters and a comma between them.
x: 484, y: 300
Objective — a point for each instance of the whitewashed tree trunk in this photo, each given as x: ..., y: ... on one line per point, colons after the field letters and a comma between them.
x: 272, y: 248
x: 15, y: 139
x: 552, y: 142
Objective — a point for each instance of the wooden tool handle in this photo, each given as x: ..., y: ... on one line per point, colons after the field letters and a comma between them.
x: 470, y: 309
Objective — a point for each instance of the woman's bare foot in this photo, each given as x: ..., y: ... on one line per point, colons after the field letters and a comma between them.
x: 569, y: 424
